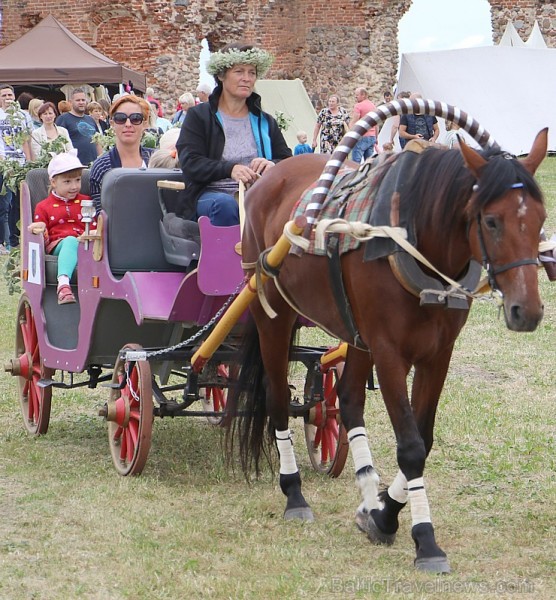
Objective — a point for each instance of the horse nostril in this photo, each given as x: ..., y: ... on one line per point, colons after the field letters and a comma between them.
x: 522, y: 320
x: 515, y: 312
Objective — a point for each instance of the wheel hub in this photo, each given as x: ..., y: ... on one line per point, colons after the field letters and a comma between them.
x: 20, y: 366
x: 117, y: 411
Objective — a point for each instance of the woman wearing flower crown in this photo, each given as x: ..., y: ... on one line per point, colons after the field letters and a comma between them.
x: 229, y: 138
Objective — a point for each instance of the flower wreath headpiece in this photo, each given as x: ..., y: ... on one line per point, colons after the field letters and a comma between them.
x: 222, y: 61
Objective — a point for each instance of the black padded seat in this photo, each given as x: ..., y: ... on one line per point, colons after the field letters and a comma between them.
x: 130, y: 199
x: 181, y: 240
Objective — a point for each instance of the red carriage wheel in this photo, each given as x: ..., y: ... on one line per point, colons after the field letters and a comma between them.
x: 130, y: 414
x: 28, y: 366
x: 215, y: 397
x: 325, y: 436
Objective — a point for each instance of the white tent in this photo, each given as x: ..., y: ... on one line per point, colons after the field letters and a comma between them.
x: 289, y: 97
x: 508, y: 89
x: 536, y: 39
x: 510, y: 37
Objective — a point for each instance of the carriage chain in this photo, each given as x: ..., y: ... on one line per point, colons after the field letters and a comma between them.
x: 135, y: 355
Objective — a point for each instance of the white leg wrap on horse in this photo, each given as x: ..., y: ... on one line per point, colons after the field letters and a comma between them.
x: 420, y: 511
x: 398, y: 490
x: 359, y: 446
x: 367, y: 481
x: 368, y: 485
x: 285, y: 450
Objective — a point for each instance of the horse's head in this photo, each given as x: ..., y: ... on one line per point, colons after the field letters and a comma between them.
x: 506, y: 214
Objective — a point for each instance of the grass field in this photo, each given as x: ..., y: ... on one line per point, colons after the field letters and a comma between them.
x: 189, y: 528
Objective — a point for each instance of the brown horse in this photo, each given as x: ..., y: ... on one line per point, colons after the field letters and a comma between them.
x: 464, y: 205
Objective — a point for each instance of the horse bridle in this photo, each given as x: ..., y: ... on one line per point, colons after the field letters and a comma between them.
x: 492, y: 271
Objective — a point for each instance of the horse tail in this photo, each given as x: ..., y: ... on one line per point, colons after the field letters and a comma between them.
x: 246, y: 413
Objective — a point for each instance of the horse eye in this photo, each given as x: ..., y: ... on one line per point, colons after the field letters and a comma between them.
x: 491, y: 222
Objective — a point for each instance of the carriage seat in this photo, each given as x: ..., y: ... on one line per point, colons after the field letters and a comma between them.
x: 181, y: 239
x: 38, y: 182
x: 130, y: 199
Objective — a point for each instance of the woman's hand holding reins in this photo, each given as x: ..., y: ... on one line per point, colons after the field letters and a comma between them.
x: 260, y: 165
x: 249, y: 174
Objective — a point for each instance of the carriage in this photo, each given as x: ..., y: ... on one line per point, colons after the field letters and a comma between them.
x: 146, y: 298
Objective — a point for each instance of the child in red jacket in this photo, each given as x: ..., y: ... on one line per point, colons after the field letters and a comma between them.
x: 59, y: 218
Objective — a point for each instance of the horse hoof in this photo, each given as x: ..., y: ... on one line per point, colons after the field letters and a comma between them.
x: 366, y: 524
x: 303, y: 513
x: 433, y: 564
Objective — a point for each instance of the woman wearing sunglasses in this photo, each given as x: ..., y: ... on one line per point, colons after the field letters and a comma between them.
x: 129, y: 117
x: 229, y: 138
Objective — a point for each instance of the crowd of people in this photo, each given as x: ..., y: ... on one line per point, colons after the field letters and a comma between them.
x: 218, y: 136
x: 33, y: 129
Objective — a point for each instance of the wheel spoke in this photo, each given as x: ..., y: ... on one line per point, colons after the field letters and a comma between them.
x: 123, y: 445
x: 118, y: 434
x: 133, y: 428
x: 24, y: 327
x: 33, y: 340
x: 35, y: 356
x: 134, y: 378
x: 31, y: 404
x: 318, y: 438
x: 330, y: 445
x: 218, y: 399
x: 129, y: 444
x: 335, y: 430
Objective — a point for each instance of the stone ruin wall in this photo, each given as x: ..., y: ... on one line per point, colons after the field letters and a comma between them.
x: 332, y: 45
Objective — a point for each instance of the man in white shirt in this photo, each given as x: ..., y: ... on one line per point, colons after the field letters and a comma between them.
x: 11, y: 128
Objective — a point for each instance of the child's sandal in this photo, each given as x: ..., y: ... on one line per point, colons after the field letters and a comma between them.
x: 65, y: 295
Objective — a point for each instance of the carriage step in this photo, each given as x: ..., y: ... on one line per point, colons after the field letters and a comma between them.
x: 112, y: 386
x: 44, y: 383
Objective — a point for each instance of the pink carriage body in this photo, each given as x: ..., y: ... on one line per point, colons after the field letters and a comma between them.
x: 142, y: 301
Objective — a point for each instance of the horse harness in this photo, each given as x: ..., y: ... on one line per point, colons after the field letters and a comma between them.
x: 405, y: 267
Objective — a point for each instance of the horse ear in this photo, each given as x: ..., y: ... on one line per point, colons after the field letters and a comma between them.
x: 538, y: 152
x: 473, y: 160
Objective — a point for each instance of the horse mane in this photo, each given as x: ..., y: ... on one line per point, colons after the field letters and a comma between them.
x: 439, y: 191
x: 442, y: 187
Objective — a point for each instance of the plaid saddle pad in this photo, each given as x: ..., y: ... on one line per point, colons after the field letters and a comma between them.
x: 351, y: 198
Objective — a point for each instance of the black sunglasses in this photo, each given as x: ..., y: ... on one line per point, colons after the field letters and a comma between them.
x: 134, y: 118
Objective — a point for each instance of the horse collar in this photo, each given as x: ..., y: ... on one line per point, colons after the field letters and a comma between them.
x: 431, y: 291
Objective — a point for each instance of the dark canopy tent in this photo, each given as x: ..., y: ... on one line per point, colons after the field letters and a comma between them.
x: 51, y: 54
